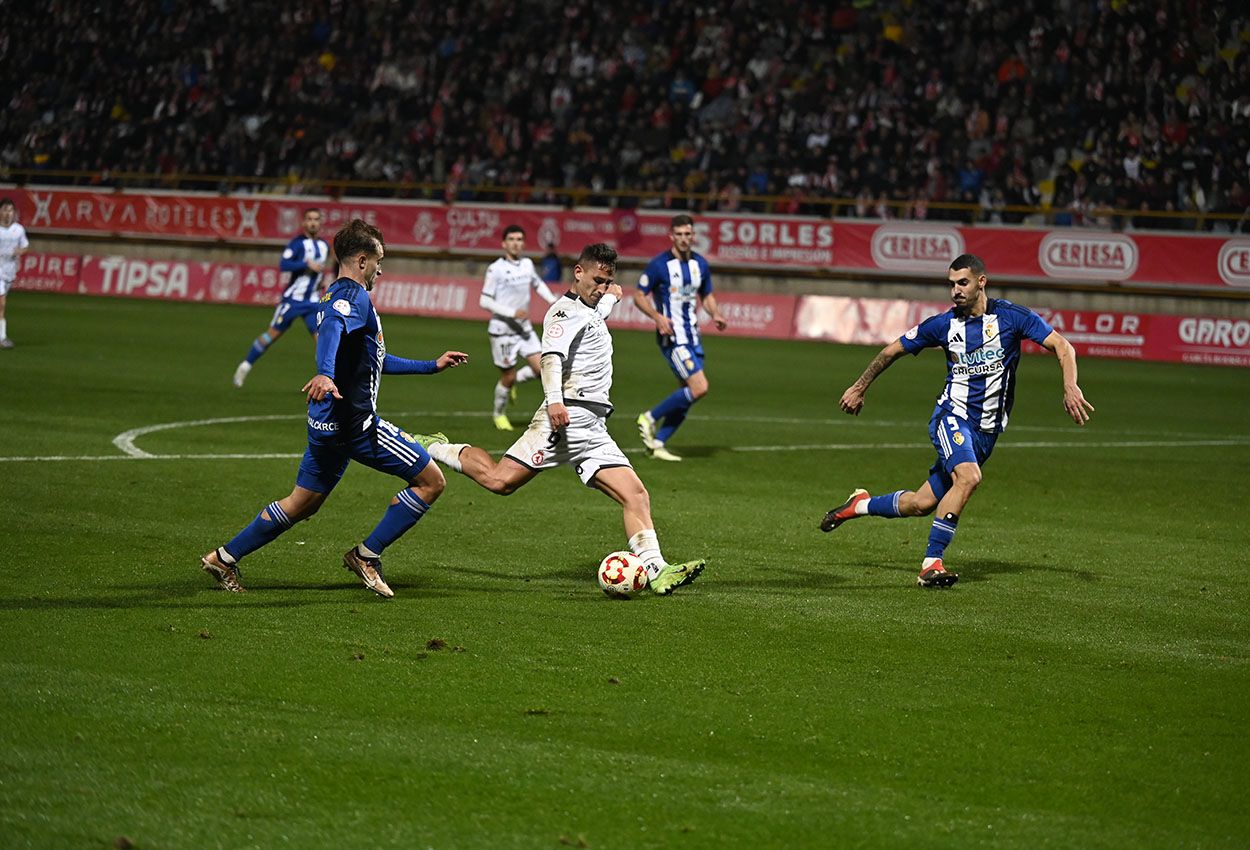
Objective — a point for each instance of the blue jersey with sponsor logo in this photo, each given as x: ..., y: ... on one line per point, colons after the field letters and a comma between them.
x: 300, y: 251
x: 675, y: 287
x: 356, y: 368
x: 981, y: 358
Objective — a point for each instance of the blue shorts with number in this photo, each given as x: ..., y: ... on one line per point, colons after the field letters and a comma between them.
x: 684, y: 360
x: 289, y: 310
x: 956, y: 442
x: 383, y: 447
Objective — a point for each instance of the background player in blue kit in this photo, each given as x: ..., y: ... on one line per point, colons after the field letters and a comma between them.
x: 670, y: 291
x: 981, y: 337
x: 343, y: 423
x: 305, y: 259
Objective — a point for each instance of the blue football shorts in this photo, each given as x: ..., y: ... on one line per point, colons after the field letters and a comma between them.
x: 684, y: 360
x: 956, y: 442
x: 385, y: 448
x: 288, y: 311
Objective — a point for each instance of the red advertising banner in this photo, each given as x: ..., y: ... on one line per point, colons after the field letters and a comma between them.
x: 897, y: 248
x: 865, y: 321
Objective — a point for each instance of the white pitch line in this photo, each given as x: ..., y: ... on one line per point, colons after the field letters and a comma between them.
x: 806, y: 447
x: 125, y: 441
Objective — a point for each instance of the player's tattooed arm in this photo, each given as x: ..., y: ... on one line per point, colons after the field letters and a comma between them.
x: 852, y: 401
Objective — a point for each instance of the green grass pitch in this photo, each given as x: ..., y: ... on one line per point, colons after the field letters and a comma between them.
x: 1086, y: 684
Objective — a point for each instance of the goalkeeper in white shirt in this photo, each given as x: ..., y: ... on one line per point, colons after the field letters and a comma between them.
x: 506, y: 294
x: 570, y: 427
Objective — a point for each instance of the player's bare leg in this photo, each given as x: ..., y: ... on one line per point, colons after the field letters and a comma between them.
x: 503, y: 478
x: 624, y: 486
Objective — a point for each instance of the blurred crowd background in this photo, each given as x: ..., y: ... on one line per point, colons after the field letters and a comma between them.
x: 890, y: 107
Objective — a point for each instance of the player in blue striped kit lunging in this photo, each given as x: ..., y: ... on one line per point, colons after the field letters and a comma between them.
x: 344, y: 425
x: 981, y: 337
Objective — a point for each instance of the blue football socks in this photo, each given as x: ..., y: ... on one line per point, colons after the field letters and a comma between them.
x: 885, y: 506
x: 259, y: 532
x: 398, y: 518
x: 671, y: 412
x: 258, y: 347
x: 941, y: 535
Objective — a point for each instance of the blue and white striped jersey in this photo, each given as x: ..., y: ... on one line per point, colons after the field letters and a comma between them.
x: 982, y: 354
x: 303, y: 284
x: 675, y: 288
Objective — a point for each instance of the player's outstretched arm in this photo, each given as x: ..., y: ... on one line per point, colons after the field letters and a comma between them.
x: 852, y: 401
x: 1073, y: 399
x: 392, y: 365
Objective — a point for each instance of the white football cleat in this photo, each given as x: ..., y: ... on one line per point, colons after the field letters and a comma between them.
x: 240, y: 374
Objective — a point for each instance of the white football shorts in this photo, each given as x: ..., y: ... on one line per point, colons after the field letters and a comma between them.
x: 583, y: 444
x: 5, y: 286
x: 507, y: 349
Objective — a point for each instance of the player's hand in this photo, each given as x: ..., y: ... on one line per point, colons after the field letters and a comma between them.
x: 663, y: 326
x: 321, y: 386
x: 1075, y: 404
x: 558, y: 414
x: 521, y: 315
x: 314, y: 266
x: 615, y: 291
x: 852, y: 400
x: 721, y: 322
x: 452, y: 359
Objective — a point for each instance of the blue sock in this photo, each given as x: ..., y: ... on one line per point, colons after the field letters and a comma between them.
x: 259, y: 532
x: 941, y: 535
x: 398, y: 518
x: 671, y: 412
x: 679, y: 400
x: 886, y: 506
x: 670, y: 424
x: 258, y: 347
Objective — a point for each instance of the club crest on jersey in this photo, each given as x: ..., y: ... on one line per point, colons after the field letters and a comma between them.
x: 958, y: 437
x: 538, y: 458
x: 342, y: 307
x: 991, y: 328
x: 555, y: 331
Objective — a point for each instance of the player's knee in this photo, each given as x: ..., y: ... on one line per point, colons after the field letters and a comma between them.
x: 698, y: 391
x: 967, y: 475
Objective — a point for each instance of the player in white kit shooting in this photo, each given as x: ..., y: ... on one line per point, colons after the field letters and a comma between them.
x: 570, y: 427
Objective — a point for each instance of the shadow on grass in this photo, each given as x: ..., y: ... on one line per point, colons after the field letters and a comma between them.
x: 258, y: 595
x: 983, y: 569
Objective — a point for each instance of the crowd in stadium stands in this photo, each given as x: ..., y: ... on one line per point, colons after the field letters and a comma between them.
x: 894, y: 105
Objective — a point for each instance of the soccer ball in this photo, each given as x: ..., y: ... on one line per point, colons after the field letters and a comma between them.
x: 622, y: 574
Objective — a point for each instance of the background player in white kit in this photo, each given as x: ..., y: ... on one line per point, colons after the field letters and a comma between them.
x: 571, y: 426
x: 506, y: 294
x: 13, y: 244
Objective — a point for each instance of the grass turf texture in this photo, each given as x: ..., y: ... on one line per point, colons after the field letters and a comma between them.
x: 1085, y: 684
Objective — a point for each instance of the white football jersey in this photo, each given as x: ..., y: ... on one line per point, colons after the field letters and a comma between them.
x: 11, y: 238
x: 578, y: 333
x: 509, y: 284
